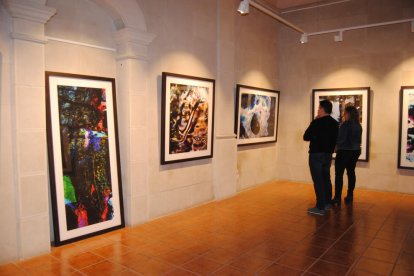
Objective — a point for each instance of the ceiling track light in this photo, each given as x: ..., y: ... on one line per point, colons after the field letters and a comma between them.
x: 339, y: 32
x: 338, y: 37
x: 244, y: 7
x: 304, y: 38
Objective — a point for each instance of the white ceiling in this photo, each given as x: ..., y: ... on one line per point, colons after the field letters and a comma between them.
x: 288, y: 4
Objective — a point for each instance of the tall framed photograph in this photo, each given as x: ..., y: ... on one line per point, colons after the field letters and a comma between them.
x: 187, y: 119
x: 406, y: 142
x: 257, y: 111
x: 84, y: 165
x: 341, y: 98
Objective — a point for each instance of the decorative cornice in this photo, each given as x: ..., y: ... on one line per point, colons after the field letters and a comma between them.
x: 29, y: 10
x: 132, y: 43
x: 130, y: 35
x: 31, y: 38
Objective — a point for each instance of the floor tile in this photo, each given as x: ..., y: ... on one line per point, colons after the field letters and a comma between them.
x: 386, y: 245
x: 10, y: 269
x: 177, y: 257
x: 326, y: 268
x: 221, y: 255
x: 83, y: 260
x: 112, y: 250
x: 277, y: 269
x: 381, y: 254
x: 340, y: 257
x: 296, y: 261
x: 406, y: 261
x: 152, y: 267
x: 250, y: 264
x: 103, y: 268
x: 402, y: 271
x: 309, y: 250
x: 180, y: 272
x: 130, y: 259
x: 374, y: 266
x: 229, y: 271
x: 202, y: 265
x: 37, y: 262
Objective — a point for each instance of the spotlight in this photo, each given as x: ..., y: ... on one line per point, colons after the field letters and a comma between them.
x: 338, y: 37
x: 244, y: 7
x: 304, y: 38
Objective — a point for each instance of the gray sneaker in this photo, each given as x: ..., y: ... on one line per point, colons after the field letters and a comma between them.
x: 316, y: 211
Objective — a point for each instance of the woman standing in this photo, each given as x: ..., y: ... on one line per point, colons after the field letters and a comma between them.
x: 348, y: 150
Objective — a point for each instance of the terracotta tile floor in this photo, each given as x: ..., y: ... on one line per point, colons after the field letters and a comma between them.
x: 265, y: 230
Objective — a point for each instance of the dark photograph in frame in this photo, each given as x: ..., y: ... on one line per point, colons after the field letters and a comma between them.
x: 83, y: 151
x: 341, y: 98
x: 257, y: 112
x: 406, y: 129
x: 187, y: 118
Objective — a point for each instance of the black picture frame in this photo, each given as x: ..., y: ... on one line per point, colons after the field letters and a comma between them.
x: 187, y: 118
x: 361, y: 96
x: 86, y: 194
x: 406, y: 129
x: 250, y: 119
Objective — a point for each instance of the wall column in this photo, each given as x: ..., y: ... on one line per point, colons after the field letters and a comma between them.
x: 132, y: 99
x: 29, y: 127
x: 225, y: 144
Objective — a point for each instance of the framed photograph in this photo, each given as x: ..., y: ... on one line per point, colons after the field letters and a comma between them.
x: 257, y: 111
x: 84, y: 166
x: 187, y: 119
x: 341, y: 98
x: 406, y: 142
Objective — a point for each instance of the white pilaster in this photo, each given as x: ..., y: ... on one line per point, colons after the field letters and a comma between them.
x: 28, y: 89
x: 132, y: 98
x: 225, y: 144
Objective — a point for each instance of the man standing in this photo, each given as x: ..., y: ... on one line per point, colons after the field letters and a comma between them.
x: 322, y: 134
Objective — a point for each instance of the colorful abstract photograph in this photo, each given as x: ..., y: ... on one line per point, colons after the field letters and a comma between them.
x: 257, y: 112
x: 410, y: 129
x: 85, y: 156
x: 189, y: 123
x: 257, y: 116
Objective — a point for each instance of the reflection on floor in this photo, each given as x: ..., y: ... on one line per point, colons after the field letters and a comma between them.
x: 265, y: 230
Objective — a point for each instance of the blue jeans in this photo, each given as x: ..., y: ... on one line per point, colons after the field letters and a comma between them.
x: 320, y: 164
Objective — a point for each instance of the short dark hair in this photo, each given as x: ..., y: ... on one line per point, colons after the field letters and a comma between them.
x: 326, y: 105
x: 353, y: 113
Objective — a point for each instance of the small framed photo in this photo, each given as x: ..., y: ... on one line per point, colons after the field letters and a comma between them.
x: 187, y: 118
x: 84, y: 166
x: 341, y: 98
x: 406, y: 141
x: 257, y: 112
